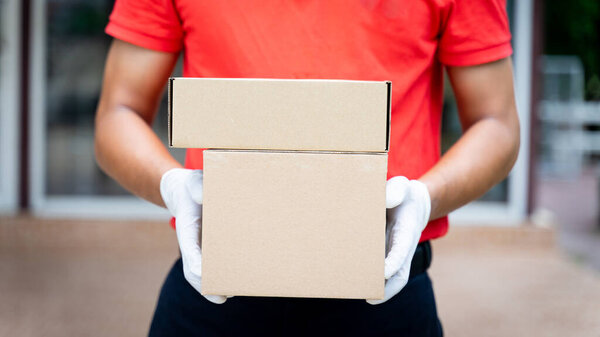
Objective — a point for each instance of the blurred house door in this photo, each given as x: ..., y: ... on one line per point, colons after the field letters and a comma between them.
x: 68, y: 49
x: 506, y: 203
x: 9, y: 104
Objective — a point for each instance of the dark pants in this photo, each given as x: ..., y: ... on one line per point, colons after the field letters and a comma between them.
x: 181, y: 311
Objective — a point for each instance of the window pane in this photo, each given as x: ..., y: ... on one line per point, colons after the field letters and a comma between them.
x: 76, y: 51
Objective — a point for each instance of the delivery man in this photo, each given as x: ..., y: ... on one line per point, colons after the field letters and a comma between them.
x: 407, y: 42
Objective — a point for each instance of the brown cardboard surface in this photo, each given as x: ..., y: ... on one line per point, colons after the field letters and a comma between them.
x: 313, y: 115
x: 294, y: 224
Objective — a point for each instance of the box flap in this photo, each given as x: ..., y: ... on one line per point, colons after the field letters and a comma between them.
x: 389, y: 114
x: 170, y: 110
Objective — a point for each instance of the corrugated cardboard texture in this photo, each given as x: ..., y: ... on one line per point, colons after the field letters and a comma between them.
x: 313, y: 115
x: 293, y: 224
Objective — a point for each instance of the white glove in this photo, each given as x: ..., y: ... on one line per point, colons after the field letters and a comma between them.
x: 181, y: 190
x: 408, y: 205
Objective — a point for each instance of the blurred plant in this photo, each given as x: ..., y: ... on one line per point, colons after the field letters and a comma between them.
x: 78, y: 18
x: 573, y: 28
x: 593, y: 88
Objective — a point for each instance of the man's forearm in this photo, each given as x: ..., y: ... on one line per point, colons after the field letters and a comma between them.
x: 481, y: 158
x: 130, y: 152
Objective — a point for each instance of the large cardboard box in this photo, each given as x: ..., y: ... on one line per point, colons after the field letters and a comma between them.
x: 259, y: 114
x: 294, y: 224
x: 294, y: 183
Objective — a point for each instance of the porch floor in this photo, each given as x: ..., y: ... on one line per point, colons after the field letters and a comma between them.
x: 98, y: 278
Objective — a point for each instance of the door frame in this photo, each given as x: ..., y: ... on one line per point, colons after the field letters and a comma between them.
x: 10, y: 85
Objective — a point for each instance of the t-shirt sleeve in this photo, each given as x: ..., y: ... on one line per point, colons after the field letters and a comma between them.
x: 152, y: 24
x: 475, y: 32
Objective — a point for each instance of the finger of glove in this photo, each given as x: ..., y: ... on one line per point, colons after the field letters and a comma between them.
x: 396, y: 189
x: 191, y: 255
x: 194, y: 184
x: 188, y: 235
x: 404, y: 236
x: 216, y: 299
x: 393, y: 286
x: 192, y: 278
x: 195, y: 281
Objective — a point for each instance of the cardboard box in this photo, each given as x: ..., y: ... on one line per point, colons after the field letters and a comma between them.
x: 294, y: 183
x: 259, y: 114
x: 294, y: 224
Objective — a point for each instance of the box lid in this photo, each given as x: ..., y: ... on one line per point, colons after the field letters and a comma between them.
x: 279, y: 114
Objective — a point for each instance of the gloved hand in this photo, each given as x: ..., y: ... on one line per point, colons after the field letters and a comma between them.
x: 408, y: 205
x: 181, y: 190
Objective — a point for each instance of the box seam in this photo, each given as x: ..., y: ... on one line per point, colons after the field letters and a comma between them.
x: 295, y: 151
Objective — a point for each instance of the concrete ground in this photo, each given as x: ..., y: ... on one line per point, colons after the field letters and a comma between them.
x: 572, y: 203
x: 92, y: 278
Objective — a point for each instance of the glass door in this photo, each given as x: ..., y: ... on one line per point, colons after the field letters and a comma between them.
x: 69, y: 51
x: 69, y: 48
x: 505, y: 203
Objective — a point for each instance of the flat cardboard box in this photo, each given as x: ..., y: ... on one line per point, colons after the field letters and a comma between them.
x: 294, y: 224
x: 263, y: 114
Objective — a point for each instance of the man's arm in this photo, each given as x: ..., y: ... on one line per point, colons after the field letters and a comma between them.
x: 126, y: 147
x: 489, y: 146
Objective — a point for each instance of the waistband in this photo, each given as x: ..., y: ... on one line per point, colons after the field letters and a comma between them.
x: 421, y: 260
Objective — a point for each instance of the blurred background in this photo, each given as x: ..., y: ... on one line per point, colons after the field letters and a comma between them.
x: 79, y: 256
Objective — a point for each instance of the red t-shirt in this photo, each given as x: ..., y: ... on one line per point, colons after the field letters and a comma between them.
x: 406, y: 42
